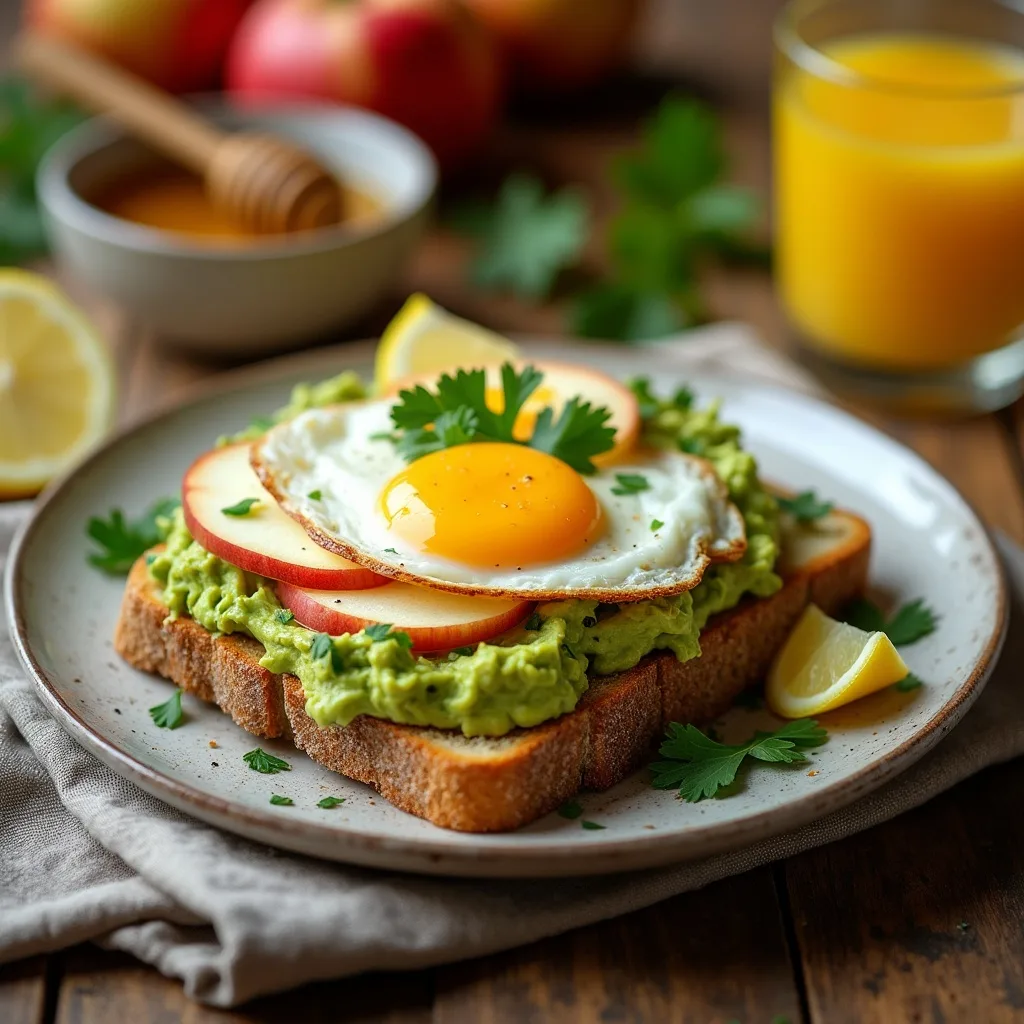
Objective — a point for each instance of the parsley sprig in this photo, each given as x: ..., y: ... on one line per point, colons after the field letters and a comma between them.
x: 911, y: 622
x: 699, y: 766
x: 266, y: 764
x: 121, y: 541
x: 456, y: 412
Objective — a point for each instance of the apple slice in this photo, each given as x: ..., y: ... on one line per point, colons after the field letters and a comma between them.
x: 435, y: 620
x: 265, y: 540
x: 562, y: 382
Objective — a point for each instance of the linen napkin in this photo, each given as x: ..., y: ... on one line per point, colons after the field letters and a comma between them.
x: 87, y: 855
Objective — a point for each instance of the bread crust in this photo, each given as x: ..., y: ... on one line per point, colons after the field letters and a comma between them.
x: 498, y: 784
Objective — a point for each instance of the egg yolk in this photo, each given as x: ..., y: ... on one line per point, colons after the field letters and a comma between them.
x: 494, y: 505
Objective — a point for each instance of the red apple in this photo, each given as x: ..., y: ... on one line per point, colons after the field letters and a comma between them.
x: 178, y: 44
x: 434, y: 620
x: 265, y: 540
x: 558, y: 44
x: 425, y: 63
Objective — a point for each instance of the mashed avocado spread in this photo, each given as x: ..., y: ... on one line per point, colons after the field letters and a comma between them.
x: 521, y: 678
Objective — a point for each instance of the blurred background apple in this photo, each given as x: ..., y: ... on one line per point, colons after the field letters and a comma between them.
x: 559, y: 44
x: 178, y: 44
x: 425, y: 63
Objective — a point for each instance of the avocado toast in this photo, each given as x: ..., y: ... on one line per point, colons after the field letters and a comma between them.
x: 472, y: 726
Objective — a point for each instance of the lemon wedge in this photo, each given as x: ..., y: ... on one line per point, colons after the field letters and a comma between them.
x: 825, y: 664
x: 423, y: 338
x: 57, y: 383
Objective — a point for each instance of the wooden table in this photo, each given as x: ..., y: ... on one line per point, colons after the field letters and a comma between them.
x: 918, y: 920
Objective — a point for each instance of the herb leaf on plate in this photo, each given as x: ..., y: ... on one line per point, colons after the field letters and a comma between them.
x: 700, y: 767
x: 806, y: 507
x: 121, y: 541
x: 169, y: 714
x: 911, y: 622
x: 266, y: 764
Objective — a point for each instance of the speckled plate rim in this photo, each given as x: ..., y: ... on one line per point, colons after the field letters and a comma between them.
x: 437, y: 854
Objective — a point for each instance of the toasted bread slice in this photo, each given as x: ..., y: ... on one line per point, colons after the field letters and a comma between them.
x: 496, y: 784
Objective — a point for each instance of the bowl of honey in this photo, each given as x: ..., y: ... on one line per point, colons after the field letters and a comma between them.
x: 142, y: 232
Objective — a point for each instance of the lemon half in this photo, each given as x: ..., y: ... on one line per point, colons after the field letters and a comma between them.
x: 57, y: 383
x: 825, y: 664
x: 423, y: 338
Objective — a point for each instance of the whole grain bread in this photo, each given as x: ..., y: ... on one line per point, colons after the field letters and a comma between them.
x: 489, y: 784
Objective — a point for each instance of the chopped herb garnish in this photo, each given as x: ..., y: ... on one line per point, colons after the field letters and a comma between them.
x: 571, y: 809
x: 462, y: 652
x: 533, y: 622
x: 908, y: 683
x: 912, y: 621
x: 315, y: 495
x: 699, y: 767
x: 691, y: 445
x: 591, y: 826
x: 390, y: 551
x: 284, y: 615
x: 122, y: 540
x: 382, y: 631
x: 266, y: 764
x: 656, y: 524
x: 805, y: 507
x: 330, y: 801
x: 168, y: 715
x: 282, y: 801
x: 457, y: 413
x: 242, y: 508
x: 649, y: 403
x: 630, y: 483
x: 323, y: 647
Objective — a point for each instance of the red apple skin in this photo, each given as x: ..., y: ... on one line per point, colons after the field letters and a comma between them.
x: 560, y: 45
x: 425, y: 639
x: 179, y: 45
x: 200, y: 505
x: 424, y: 63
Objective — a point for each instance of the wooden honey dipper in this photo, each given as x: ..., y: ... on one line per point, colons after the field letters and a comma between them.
x: 264, y: 183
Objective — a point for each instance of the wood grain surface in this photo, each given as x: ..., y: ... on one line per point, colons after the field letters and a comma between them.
x: 919, y: 920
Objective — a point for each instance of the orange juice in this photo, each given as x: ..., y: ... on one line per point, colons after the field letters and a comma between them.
x: 899, y: 175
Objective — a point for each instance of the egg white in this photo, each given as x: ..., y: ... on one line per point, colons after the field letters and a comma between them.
x: 333, y: 451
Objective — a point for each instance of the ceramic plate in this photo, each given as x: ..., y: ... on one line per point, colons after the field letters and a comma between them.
x: 928, y: 543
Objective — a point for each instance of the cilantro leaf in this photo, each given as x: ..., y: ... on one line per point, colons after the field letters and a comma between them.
x: 525, y: 238
x: 391, y: 551
x: 168, y: 715
x: 241, y: 508
x: 315, y: 495
x: 911, y: 622
x: 630, y: 483
x: 571, y: 809
x: 284, y: 615
x: 908, y: 683
x: 122, y: 541
x: 656, y: 524
x: 266, y: 764
x: 699, y: 766
x: 380, y: 631
x: 591, y: 826
x: 805, y: 507
x: 691, y: 445
x: 579, y: 433
x: 458, y: 413
x: 328, y: 802
x: 282, y: 801
x: 323, y: 647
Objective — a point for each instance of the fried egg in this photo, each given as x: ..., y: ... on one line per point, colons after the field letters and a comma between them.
x: 494, y: 518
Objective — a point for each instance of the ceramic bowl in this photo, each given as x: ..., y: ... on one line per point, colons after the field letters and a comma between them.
x: 243, y: 300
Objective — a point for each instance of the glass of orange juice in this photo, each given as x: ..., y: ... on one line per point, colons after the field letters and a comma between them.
x: 899, y: 196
